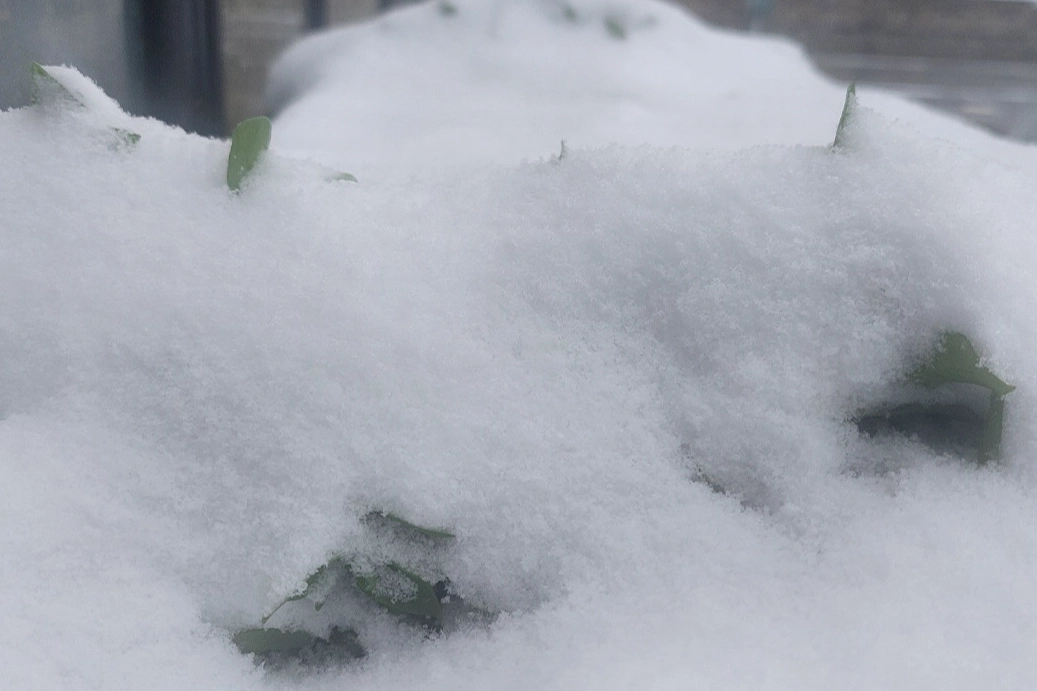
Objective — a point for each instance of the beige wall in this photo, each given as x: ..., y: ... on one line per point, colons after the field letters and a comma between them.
x: 255, y: 32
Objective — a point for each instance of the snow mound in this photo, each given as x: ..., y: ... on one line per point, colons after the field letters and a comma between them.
x: 624, y: 379
x: 508, y: 80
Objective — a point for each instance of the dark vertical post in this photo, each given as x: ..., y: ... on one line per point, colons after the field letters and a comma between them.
x: 316, y: 14
x: 175, y: 62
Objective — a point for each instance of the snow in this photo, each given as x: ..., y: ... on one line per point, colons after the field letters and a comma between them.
x: 203, y: 394
x: 504, y: 80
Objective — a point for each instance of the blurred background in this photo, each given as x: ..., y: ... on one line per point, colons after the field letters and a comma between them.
x: 202, y: 64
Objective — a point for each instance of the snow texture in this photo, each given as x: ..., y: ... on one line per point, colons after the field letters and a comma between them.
x: 203, y: 393
x: 507, y: 80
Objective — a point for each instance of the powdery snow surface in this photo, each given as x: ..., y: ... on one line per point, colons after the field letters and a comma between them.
x: 507, y: 80
x: 203, y: 393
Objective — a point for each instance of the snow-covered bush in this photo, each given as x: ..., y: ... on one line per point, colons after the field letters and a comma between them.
x: 207, y: 395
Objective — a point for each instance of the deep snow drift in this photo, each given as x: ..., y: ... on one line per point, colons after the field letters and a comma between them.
x: 203, y: 394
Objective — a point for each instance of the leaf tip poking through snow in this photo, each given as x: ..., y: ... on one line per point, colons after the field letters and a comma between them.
x: 248, y: 142
x: 849, y: 105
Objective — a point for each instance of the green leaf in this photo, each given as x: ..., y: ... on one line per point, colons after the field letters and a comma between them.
x: 264, y: 641
x: 385, y: 519
x: 47, y: 90
x: 447, y: 9
x: 278, y: 645
x: 849, y: 105
x: 424, y: 603
x: 948, y: 426
x: 318, y: 586
x: 955, y: 361
x: 248, y: 142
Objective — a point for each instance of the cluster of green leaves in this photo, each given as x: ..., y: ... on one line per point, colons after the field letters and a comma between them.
x: 956, y: 423
x: 394, y: 587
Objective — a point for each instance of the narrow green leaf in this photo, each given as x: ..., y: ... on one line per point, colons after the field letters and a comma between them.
x: 424, y: 603
x: 47, y: 90
x: 264, y: 641
x: 279, y: 645
x: 248, y: 142
x: 385, y: 519
x: 849, y: 105
x: 955, y: 361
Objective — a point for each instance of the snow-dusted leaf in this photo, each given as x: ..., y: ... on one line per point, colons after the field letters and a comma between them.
x: 342, y: 177
x: 47, y: 90
x: 385, y: 519
x: 955, y: 361
x: 420, y: 601
x: 319, y: 586
x: 849, y: 105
